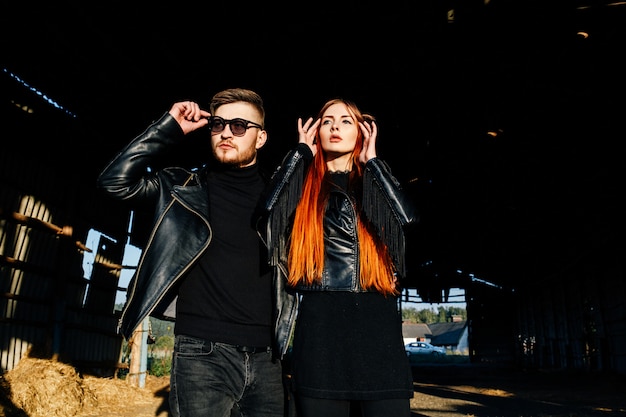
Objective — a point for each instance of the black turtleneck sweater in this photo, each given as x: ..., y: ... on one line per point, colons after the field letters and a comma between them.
x: 226, y: 296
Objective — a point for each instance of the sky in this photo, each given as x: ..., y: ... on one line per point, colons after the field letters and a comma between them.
x: 131, y: 258
x: 456, y: 294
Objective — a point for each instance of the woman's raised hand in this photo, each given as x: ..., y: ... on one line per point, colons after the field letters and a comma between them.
x: 370, y: 132
x: 307, y: 133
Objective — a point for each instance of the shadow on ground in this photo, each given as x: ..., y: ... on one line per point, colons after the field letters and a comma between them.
x: 484, y: 391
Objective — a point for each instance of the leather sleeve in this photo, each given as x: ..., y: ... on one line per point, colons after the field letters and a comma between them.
x: 378, y: 173
x: 280, y: 199
x: 389, y: 208
x: 127, y: 177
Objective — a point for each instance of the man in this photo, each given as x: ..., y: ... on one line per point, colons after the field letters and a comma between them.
x: 204, y: 263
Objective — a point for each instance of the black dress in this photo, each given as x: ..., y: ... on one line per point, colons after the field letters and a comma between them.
x: 348, y: 345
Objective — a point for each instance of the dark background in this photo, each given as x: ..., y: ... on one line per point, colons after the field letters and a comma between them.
x: 511, y: 209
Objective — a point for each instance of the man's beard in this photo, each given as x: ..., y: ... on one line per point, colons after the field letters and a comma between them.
x: 239, y: 160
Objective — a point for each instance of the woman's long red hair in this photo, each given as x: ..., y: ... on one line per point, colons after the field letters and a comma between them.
x: 306, y: 254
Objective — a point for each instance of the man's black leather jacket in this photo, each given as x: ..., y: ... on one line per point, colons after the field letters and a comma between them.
x: 180, y: 200
x: 384, y: 202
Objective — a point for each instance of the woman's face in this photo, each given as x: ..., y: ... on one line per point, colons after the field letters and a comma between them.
x: 338, y: 130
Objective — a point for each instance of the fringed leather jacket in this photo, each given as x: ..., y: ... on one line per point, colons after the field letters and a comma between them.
x: 384, y: 203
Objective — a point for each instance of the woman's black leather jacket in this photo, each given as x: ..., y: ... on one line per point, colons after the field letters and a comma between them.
x: 180, y: 199
x: 384, y: 202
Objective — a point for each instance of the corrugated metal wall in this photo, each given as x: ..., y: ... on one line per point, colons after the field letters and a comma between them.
x: 578, y: 319
x: 47, y: 307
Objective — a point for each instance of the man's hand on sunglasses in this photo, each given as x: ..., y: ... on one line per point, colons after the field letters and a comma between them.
x: 189, y: 115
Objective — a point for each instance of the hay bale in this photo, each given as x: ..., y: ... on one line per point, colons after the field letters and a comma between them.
x: 117, y: 393
x: 47, y: 388
x: 41, y: 387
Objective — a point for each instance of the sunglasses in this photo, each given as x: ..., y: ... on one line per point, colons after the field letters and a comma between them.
x: 237, y: 126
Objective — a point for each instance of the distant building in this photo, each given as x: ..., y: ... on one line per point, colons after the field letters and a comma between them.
x: 451, y: 335
x: 416, y: 332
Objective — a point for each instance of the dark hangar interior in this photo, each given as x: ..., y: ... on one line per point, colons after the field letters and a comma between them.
x: 505, y: 120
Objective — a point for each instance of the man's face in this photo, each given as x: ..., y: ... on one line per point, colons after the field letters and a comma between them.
x: 234, y: 150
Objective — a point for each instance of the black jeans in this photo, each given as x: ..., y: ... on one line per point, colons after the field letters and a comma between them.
x: 219, y: 380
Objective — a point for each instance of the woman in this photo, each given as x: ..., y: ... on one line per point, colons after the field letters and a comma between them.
x: 336, y: 232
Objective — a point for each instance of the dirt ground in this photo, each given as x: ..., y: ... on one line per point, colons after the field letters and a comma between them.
x: 440, y: 391
x: 484, y: 391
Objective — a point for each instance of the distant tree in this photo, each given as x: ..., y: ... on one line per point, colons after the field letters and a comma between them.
x: 441, y: 315
x: 162, y: 327
x: 428, y: 316
x: 164, y: 342
x: 410, y: 314
x: 456, y: 311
